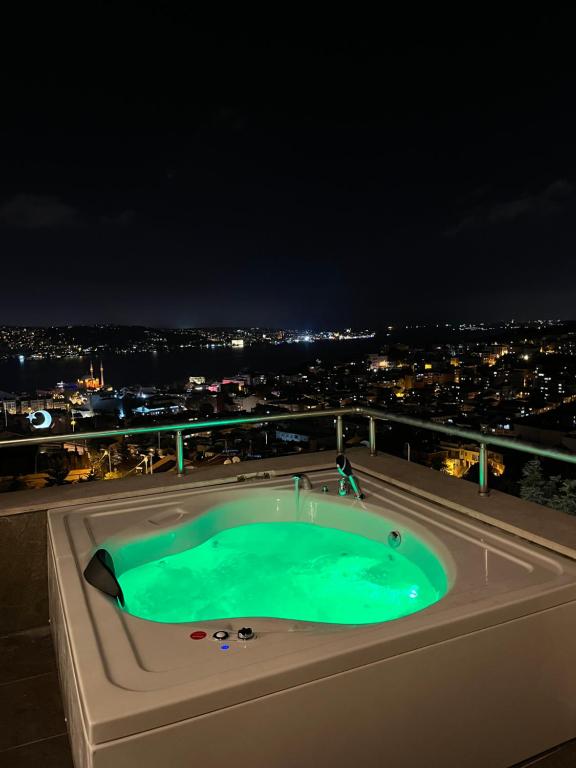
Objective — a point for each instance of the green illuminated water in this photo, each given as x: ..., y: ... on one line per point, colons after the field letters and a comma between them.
x: 280, y: 570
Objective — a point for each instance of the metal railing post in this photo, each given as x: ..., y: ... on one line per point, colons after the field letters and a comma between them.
x: 372, y: 435
x: 483, y: 471
x: 339, y: 435
x: 179, y: 454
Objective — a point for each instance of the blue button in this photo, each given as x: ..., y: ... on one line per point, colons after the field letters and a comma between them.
x: 224, y: 647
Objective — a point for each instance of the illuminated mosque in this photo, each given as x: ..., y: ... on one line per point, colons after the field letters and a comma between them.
x: 90, y: 381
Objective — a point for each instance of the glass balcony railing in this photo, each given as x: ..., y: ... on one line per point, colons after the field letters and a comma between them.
x: 58, y: 459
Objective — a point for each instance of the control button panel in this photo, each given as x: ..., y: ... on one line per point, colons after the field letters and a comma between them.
x: 226, y: 638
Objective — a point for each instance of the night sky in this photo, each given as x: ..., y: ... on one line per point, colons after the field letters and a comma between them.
x: 161, y: 169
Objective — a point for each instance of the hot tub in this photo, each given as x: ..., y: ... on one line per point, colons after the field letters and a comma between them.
x: 270, y: 554
x: 256, y: 627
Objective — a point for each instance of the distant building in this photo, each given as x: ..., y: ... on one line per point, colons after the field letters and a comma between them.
x: 378, y: 362
x: 247, y: 404
x: 291, y: 437
x: 237, y: 342
x: 158, y: 405
x: 459, y: 458
x: 23, y: 406
x: 239, y: 381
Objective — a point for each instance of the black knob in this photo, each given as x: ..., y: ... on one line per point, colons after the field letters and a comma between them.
x: 221, y: 634
x: 245, y: 633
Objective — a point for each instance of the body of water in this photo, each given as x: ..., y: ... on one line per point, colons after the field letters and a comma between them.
x: 175, y: 367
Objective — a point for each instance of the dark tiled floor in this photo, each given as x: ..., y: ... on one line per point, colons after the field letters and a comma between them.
x: 48, y: 753
x: 26, y: 654
x: 24, y: 587
x: 32, y: 727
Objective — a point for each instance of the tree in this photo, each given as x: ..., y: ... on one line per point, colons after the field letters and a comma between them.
x: 533, y: 486
x: 58, y: 468
x: 552, y: 492
x: 564, y: 499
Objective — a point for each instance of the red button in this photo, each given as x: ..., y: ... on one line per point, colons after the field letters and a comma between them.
x: 198, y: 635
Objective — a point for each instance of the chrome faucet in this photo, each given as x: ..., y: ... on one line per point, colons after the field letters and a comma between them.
x: 344, y: 486
x: 347, y: 480
x: 302, y: 481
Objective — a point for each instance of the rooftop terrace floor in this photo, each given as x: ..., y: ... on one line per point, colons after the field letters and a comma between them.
x: 32, y: 725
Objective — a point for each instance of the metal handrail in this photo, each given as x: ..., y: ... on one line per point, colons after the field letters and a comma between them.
x: 482, y: 438
x: 373, y: 414
x: 187, y: 426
